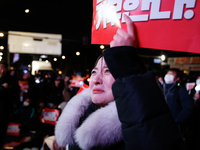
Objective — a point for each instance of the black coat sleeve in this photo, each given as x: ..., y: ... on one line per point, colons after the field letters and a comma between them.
x: 146, y: 120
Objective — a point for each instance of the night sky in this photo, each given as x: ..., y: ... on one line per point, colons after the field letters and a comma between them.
x: 72, y: 19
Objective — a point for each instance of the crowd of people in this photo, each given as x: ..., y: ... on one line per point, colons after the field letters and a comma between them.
x: 23, y: 98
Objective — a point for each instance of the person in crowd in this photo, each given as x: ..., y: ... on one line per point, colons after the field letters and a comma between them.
x: 66, y: 90
x: 15, y: 96
x: 74, y: 87
x: 195, y: 95
x: 195, y: 92
x: 24, y: 115
x: 178, y: 100
x: 54, y: 94
x: 114, y: 113
x: 5, y: 100
x: 27, y: 87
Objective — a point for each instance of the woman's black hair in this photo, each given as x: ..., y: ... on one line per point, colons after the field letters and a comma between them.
x: 102, y: 55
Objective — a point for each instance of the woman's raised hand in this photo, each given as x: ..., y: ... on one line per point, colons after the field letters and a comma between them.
x: 123, y: 38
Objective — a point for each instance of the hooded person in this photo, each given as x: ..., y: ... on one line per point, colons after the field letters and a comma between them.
x: 178, y: 100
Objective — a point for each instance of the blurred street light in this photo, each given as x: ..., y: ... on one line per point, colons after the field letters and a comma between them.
x: 78, y: 53
x: 102, y: 46
x: 43, y: 56
x: 1, y: 54
x: 55, y: 59
x: 88, y: 80
x: 46, y: 61
x: 1, y: 58
x: 1, y: 34
x: 163, y: 57
x: 63, y: 57
x: 1, y: 47
x: 27, y: 10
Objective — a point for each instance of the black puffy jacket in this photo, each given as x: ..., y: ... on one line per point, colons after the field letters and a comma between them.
x: 147, y: 123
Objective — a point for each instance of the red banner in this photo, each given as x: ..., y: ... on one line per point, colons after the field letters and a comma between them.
x: 190, y: 86
x: 83, y: 87
x: 50, y: 116
x: 13, y: 129
x: 77, y: 81
x: 23, y: 84
x: 160, y: 24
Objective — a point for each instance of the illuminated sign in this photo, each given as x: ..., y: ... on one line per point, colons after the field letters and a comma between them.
x: 34, y: 43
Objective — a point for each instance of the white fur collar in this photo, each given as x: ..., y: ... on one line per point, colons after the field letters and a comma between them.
x: 102, y: 127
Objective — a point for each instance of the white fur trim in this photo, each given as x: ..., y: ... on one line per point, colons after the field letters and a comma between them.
x: 101, y: 128
x: 69, y: 119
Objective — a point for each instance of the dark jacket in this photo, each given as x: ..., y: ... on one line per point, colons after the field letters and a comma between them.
x: 5, y: 105
x: 142, y: 109
x: 196, y: 102
x: 179, y: 102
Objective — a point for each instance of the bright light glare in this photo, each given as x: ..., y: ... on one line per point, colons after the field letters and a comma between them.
x: 46, y: 61
x: 102, y: 46
x: 81, y: 83
x: 43, y: 56
x: 37, y: 81
x: 163, y: 57
x: 63, y: 57
x: 111, y: 15
x: 25, y: 71
x: 26, y: 45
x: 78, y: 53
x: 1, y: 35
x: 1, y: 54
x: 1, y: 47
x: 197, y: 88
x: 55, y: 59
x: 29, y: 65
x: 1, y: 58
x: 88, y: 79
x: 27, y: 11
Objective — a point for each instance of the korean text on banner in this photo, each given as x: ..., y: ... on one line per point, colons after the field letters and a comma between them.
x: 160, y: 24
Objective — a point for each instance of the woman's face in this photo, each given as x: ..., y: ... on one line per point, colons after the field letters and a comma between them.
x: 101, y: 81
